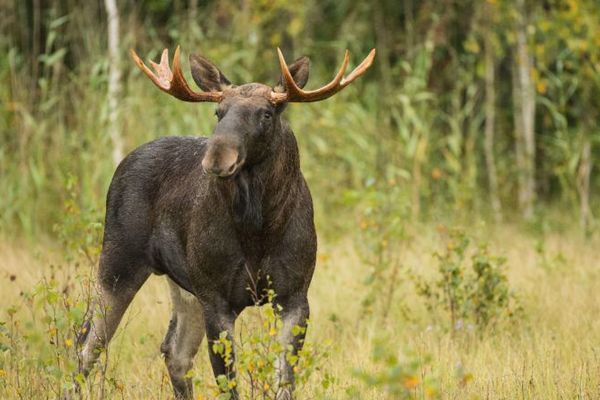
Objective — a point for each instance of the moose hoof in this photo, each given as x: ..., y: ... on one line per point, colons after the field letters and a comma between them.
x: 284, y: 394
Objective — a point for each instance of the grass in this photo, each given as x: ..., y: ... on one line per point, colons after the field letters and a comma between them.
x: 551, y: 353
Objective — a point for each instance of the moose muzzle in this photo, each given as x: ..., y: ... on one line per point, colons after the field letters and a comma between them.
x: 223, y: 157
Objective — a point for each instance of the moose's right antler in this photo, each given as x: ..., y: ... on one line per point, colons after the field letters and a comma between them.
x: 173, y: 82
x: 294, y: 94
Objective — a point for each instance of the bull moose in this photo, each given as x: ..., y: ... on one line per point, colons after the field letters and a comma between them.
x: 215, y: 215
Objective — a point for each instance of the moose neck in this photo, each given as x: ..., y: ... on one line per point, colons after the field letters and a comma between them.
x: 263, y: 195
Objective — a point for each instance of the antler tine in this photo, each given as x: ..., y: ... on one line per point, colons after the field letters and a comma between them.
x: 173, y: 82
x: 162, y: 69
x: 360, y: 69
x: 295, y: 94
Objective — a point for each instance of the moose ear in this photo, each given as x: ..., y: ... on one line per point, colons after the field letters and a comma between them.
x: 299, y: 70
x: 206, y: 75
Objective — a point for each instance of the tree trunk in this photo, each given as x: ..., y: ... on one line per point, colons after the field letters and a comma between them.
x: 518, y: 126
x: 583, y: 185
x: 35, y: 46
x: 193, y: 11
x: 382, y: 42
x: 490, y: 118
x: 524, y: 127
x: 114, y: 80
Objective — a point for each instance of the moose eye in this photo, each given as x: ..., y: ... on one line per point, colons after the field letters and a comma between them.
x: 268, y: 115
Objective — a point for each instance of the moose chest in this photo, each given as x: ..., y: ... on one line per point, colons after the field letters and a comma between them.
x: 241, y: 266
x: 235, y: 252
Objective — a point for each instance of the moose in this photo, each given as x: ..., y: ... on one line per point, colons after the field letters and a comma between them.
x: 216, y: 216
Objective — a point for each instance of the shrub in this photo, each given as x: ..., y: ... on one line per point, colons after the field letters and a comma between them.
x: 471, y: 287
x: 380, y: 240
x: 39, y: 337
x: 257, y: 351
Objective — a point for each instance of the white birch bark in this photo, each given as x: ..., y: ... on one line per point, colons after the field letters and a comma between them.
x: 114, y: 80
x: 527, y: 115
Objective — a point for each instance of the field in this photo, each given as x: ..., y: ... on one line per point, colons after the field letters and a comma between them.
x: 455, y: 189
x: 551, y: 352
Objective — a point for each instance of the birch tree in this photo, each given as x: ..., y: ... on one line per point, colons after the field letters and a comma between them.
x: 114, y: 80
x: 524, y: 115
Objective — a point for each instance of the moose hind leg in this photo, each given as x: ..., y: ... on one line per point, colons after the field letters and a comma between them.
x: 185, y: 333
x: 119, y: 279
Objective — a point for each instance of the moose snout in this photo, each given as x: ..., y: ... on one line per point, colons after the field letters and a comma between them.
x: 222, y: 160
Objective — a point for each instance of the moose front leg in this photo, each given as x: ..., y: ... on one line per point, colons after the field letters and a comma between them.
x: 294, y: 316
x: 218, y: 320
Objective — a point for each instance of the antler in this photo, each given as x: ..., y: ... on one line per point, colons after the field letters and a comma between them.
x: 294, y: 94
x: 173, y: 82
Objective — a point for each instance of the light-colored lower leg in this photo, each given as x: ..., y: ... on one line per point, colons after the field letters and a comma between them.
x: 285, y: 373
x: 107, y: 313
x: 181, y: 343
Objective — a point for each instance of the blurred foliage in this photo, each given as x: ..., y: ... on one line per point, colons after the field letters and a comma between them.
x: 405, y: 377
x: 417, y: 117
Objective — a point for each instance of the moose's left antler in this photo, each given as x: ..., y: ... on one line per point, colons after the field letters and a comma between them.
x: 294, y: 94
x: 173, y: 82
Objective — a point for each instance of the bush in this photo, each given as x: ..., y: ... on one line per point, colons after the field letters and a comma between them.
x: 471, y: 287
x: 381, y: 240
x: 257, y: 352
x: 39, y: 337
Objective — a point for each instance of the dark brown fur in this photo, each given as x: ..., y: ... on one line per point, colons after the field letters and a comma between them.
x: 216, y: 225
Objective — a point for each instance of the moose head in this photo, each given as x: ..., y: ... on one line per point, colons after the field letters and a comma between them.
x: 249, y: 114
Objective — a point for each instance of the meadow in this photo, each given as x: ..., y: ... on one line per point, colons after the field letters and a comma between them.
x: 455, y: 189
x: 549, y: 352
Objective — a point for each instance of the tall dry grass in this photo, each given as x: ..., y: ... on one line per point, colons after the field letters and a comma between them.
x: 552, y: 352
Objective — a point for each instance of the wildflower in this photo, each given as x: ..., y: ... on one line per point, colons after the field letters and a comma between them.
x: 69, y: 343
x: 411, y: 382
x: 466, y: 378
x: 430, y: 393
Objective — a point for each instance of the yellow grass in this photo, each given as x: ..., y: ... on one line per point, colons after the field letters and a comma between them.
x: 552, y: 353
